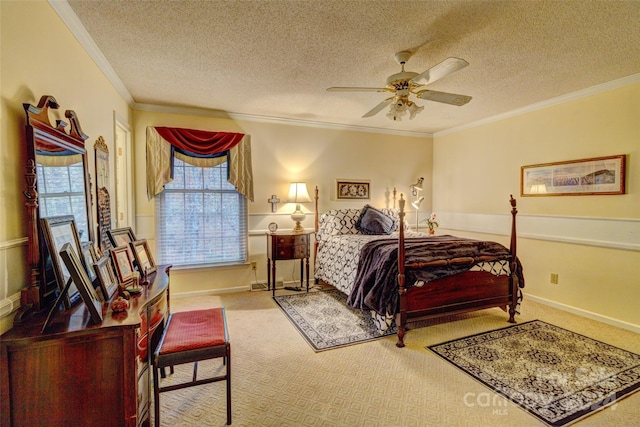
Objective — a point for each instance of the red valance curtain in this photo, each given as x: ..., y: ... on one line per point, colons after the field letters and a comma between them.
x: 200, y: 141
x: 201, y: 148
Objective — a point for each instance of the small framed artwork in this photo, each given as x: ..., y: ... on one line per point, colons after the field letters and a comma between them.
x: 58, y: 231
x: 122, y: 237
x: 88, y: 258
x: 352, y: 190
x: 142, y: 255
x: 82, y: 282
x: 122, y: 263
x: 595, y: 176
x: 107, y: 280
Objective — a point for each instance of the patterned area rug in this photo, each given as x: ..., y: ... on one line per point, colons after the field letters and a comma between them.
x: 555, y: 374
x: 326, y: 322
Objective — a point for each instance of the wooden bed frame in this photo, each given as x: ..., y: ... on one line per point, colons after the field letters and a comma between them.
x: 460, y: 293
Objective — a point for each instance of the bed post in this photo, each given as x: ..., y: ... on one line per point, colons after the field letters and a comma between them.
x: 513, y: 265
x: 401, y: 319
x: 315, y: 236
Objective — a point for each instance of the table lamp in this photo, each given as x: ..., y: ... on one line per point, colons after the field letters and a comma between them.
x: 298, y: 194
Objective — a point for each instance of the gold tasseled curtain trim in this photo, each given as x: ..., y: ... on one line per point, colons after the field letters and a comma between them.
x: 159, y: 164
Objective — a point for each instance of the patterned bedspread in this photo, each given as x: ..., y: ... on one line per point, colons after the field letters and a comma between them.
x: 337, y: 264
x: 376, y: 282
x: 338, y: 257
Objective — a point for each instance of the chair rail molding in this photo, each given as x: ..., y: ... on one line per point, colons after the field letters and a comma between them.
x: 615, y: 233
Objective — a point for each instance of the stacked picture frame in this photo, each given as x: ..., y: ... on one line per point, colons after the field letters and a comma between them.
x: 83, y: 273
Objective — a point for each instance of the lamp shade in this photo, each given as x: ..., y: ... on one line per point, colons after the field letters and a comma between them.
x: 298, y: 193
x: 417, y: 186
x: 416, y: 203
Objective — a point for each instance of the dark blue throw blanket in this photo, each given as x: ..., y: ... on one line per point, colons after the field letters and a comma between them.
x: 376, y: 282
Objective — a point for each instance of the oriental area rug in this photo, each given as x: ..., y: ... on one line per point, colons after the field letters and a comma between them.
x: 326, y: 322
x: 556, y: 375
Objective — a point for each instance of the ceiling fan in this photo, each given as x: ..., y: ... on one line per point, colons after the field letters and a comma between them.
x: 406, y: 83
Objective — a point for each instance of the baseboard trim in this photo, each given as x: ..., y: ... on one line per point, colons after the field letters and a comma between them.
x: 247, y: 288
x: 585, y: 313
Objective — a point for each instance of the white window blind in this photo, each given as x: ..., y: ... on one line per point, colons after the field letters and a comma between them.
x: 200, y: 218
x: 61, y: 192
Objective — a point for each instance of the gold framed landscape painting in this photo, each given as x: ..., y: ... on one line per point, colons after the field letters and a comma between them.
x: 595, y: 176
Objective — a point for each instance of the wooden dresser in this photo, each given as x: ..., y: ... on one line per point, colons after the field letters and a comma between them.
x: 80, y: 374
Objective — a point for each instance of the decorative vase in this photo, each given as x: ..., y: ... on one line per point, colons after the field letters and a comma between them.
x: 432, y: 231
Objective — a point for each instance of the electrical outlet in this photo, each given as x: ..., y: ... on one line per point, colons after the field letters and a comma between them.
x: 254, y: 265
x: 553, y: 278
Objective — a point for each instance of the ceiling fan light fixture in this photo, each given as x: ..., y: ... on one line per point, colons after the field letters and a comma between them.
x: 399, y: 109
x: 406, y: 83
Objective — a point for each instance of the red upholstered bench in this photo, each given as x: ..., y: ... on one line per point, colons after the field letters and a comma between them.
x: 191, y: 336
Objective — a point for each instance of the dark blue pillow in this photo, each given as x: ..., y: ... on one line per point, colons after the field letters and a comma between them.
x: 373, y: 221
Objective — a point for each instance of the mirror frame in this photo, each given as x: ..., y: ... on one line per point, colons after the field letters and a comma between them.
x: 40, y: 130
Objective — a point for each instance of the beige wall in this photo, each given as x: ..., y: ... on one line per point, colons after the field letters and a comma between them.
x: 599, y: 274
x: 281, y: 154
x: 40, y: 56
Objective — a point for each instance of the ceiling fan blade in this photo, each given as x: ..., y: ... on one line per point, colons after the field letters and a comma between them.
x: 375, y: 110
x: 446, y: 67
x: 444, y: 97
x: 357, y: 89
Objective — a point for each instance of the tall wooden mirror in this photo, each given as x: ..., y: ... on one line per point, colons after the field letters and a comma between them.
x: 57, y: 184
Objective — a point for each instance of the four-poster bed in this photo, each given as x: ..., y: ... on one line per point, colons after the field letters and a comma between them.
x: 402, y: 275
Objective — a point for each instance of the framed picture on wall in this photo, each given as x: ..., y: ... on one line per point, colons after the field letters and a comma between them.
x: 352, y: 190
x: 599, y: 175
x: 102, y: 192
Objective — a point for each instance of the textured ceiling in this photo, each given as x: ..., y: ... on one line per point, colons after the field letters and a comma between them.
x: 276, y: 58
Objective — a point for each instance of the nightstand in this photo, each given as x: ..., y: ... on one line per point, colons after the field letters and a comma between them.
x: 283, y: 245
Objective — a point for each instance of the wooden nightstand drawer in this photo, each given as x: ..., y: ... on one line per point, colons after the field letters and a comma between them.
x: 292, y: 240
x: 291, y: 252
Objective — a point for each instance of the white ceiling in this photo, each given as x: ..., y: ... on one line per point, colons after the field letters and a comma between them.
x: 276, y: 58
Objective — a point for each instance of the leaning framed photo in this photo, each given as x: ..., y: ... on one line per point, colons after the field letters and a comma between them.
x: 122, y: 263
x: 142, y: 256
x: 352, y: 189
x: 594, y: 176
x: 89, y: 257
x: 82, y: 282
x: 122, y: 237
x: 57, y: 231
x: 107, y: 280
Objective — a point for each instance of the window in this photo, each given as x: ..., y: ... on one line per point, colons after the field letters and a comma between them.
x: 61, y: 192
x: 201, y: 218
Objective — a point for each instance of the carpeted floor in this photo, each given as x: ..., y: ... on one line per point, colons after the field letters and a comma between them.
x: 326, y: 322
x: 278, y: 380
x: 556, y: 375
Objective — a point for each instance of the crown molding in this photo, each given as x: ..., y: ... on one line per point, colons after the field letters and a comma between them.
x: 604, y: 87
x: 275, y: 120
x: 76, y: 27
x: 71, y: 20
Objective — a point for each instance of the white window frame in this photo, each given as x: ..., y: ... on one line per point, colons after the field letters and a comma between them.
x: 223, y: 236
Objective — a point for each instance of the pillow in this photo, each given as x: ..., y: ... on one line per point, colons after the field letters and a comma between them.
x: 336, y: 222
x: 373, y: 221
